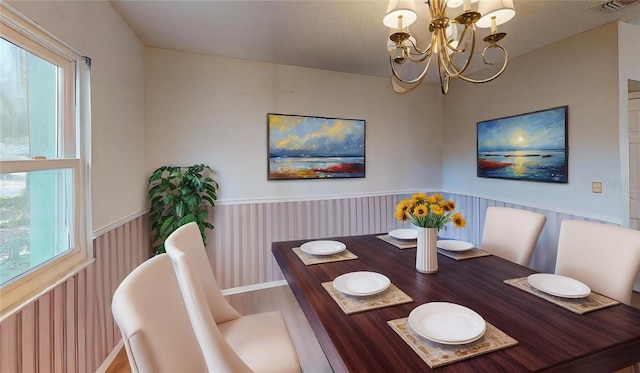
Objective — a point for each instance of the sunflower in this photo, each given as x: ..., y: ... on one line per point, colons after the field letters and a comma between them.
x: 458, y: 220
x: 436, y: 209
x: 418, y: 198
x: 420, y: 211
x: 401, y: 210
x: 449, y: 205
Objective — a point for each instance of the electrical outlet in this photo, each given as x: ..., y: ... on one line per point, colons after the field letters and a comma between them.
x: 596, y: 187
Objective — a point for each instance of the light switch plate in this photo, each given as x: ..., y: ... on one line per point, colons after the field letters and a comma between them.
x: 596, y: 187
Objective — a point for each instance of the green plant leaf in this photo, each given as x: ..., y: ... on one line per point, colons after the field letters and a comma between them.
x: 180, y: 209
x: 156, y: 189
x: 193, y: 201
x: 202, y: 215
x: 210, y: 188
x: 160, y: 249
x: 157, y: 174
x: 187, y: 219
x: 166, y: 224
x: 186, y: 189
x: 208, y: 199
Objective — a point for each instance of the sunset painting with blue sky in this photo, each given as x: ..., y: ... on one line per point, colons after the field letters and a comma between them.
x: 531, y: 146
x: 302, y: 147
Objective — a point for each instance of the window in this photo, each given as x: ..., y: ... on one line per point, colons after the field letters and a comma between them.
x: 43, y: 181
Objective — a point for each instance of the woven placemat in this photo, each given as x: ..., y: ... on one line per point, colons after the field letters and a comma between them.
x: 400, y: 244
x: 460, y: 255
x: 310, y: 259
x: 592, y: 302
x: 350, y: 304
x: 437, y: 355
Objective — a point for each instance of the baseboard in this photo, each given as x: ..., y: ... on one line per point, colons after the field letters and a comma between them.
x: 110, y: 358
x: 244, y: 289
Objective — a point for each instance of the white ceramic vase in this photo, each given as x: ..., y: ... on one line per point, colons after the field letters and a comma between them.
x: 427, y: 253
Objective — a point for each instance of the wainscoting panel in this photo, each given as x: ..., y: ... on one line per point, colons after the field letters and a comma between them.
x: 70, y: 329
x: 239, y: 247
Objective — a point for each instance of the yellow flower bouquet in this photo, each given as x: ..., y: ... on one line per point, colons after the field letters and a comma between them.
x: 429, y: 211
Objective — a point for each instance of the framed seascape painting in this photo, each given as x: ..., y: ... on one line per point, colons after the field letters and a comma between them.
x: 531, y: 146
x: 305, y: 147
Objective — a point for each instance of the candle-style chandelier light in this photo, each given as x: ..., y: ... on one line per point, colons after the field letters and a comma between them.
x: 452, y: 42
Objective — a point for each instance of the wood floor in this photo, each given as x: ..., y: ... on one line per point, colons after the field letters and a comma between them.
x: 281, y: 298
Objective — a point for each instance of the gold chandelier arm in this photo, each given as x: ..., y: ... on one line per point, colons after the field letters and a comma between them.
x: 460, y: 40
x: 417, y: 80
x: 504, y: 65
x: 453, y: 49
x: 447, y: 62
x: 440, y: 5
x: 418, y: 51
x: 444, y: 78
x: 421, y: 55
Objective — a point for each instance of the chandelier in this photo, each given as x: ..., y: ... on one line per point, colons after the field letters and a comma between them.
x: 452, y: 41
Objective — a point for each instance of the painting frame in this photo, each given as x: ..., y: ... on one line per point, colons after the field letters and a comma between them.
x: 315, y: 147
x: 532, y: 146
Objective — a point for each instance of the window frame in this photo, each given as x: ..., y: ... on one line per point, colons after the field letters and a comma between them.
x: 74, y: 145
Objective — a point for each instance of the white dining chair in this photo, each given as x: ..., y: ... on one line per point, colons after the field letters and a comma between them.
x: 605, y: 257
x: 512, y: 233
x: 229, y: 341
x: 156, y: 331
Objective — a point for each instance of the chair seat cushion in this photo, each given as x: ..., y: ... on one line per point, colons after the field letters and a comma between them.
x: 262, y: 341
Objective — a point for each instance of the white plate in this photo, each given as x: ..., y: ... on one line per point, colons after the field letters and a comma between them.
x: 447, y: 323
x: 559, y: 286
x: 361, y: 283
x: 454, y: 245
x: 404, y: 234
x: 323, y: 247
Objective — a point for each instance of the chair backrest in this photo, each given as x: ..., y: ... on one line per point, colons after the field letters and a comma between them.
x: 605, y: 257
x: 218, y: 354
x: 153, y: 320
x: 187, y: 239
x: 512, y: 233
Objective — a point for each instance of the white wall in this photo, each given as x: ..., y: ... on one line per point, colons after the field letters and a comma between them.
x: 629, y: 52
x: 96, y: 30
x: 629, y: 69
x: 213, y: 110
x: 581, y: 72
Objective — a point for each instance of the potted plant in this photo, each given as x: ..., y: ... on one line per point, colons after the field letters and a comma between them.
x: 179, y: 195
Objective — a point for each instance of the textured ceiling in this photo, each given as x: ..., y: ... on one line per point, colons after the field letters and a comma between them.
x: 339, y: 35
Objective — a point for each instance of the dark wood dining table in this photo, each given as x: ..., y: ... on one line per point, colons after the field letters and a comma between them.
x: 550, y: 338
